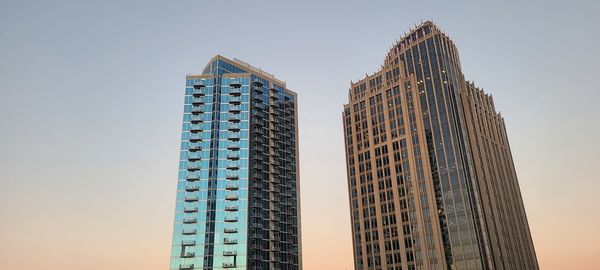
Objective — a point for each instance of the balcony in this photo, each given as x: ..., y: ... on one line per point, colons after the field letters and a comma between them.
x: 198, y: 101
x: 234, y: 109
x: 186, y: 243
x: 193, y: 167
x: 191, y: 199
x: 195, y: 138
x: 235, y: 91
x: 192, y: 188
x: 188, y: 232
x: 231, y: 208
x: 232, y: 177
x: 234, y: 118
x: 186, y: 266
x: 195, y: 128
x: 229, y: 253
x: 231, y: 230
x: 235, y: 100
x: 228, y: 241
x: 231, y: 219
x: 188, y: 255
x: 233, y: 136
x: 233, y: 156
x: 199, y: 85
x: 234, y: 127
x: 190, y: 209
x: 232, y: 187
x: 228, y: 265
x: 257, y: 83
x: 233, y: 146
x: 231, y: 197
x: 190, y: 220
x: 198, y: 93
x: 192, y: 177
x: 197, y: 118
x: 231, y: 166
x: 193, y: 157
x: 197, y: 109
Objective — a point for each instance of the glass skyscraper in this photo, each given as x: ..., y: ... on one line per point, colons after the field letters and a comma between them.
x: 430, y: 173
x: 238, y: 197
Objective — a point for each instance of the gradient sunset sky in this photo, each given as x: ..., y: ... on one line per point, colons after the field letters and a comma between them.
x: 91, y: 103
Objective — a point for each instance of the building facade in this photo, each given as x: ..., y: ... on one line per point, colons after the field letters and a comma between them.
x: 238, y: 203
x: 430, y: 174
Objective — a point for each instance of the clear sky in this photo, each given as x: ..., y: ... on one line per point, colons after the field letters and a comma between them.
x: 91, y: 102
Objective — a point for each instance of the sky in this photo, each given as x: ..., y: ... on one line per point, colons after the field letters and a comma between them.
x: 91, y: 103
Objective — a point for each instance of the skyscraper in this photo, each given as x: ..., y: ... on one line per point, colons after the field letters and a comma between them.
x: 238, y: 203
x: 430, y: 173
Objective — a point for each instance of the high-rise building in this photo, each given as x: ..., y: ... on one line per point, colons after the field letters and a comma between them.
x: 238, y: 203
x: 430, y: 174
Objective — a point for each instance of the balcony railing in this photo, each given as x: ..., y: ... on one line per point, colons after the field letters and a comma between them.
x: 190, y: 209
x: 232, y: 187
x: 228, y: 265
x: 233, y: 156
x: 230, y: 230
x: 193, y: 157
x: 197, y: 109
x: 191, y: 198
x: 233, y: 165
x: 232, y: 177
x: 195, y: 138
x: 231, y: 197
x: 186, y: 266
x: 188, y: 232
x: 188, y: 243
x: 195, y: 128
x: 198, y: 101
x: 233, y: 146
x: 197, y: 118
x: 231, y: 219
x: 229, y: 253
x: 235, y: 100
x: 188, y: 255
x: 231, y: 208
x: 233, y: 136
x: 234, y: 127
x: 234, y: 109
x: 228, y: 241
x: 190, y: 220
x: 198, y: 93
x: 234, y: 118
x: 199, y: 85
x: 193, y: 167
x: 192, y: 188
x: 193, y: 177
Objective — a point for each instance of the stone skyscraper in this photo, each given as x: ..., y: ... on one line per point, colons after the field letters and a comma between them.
x: 430, y: 173
x: 238, y: 205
